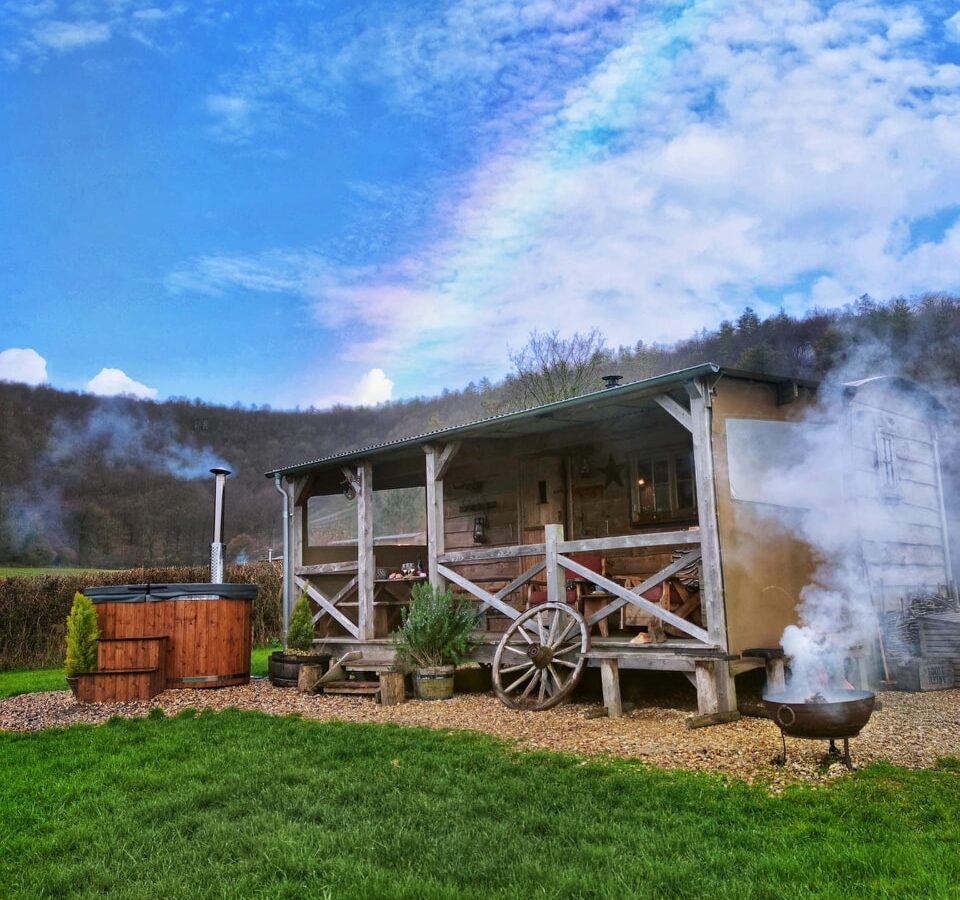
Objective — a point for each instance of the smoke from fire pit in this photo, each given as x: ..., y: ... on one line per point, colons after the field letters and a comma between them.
x: 814, y: 488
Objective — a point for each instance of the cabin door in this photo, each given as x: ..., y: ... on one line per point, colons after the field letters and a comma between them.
x: 542, y: 496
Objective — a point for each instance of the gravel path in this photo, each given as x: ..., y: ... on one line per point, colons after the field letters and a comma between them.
x: 911, y: 730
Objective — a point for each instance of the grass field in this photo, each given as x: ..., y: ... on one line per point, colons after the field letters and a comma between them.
x: 22, y: 571
x: 26, y: 681
x: 244, y: 805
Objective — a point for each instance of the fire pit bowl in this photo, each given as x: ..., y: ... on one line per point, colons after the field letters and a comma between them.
x: 841, y: 714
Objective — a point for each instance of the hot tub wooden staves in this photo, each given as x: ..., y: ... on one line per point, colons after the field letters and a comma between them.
x: 168, y: 636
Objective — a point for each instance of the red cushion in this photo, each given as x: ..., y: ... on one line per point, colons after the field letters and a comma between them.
x: 589, y: 560
x: 541, y: 597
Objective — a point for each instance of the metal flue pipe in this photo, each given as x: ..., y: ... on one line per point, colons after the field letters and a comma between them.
x: 284, y: 600
x: 217, y: 548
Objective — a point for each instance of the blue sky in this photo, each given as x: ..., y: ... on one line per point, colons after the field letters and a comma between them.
x: 301, y: 203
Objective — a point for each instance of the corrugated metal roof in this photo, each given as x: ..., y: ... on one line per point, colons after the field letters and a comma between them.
x: 603, y: 394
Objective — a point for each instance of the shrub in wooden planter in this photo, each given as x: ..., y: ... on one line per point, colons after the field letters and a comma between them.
x: 284, y: 665
x: 82, y: 633
x: 433, y: 637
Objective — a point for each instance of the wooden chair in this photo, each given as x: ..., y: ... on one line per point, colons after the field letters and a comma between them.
x: 592, y: 598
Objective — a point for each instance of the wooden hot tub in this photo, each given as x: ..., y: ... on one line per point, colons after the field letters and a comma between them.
x: 197, y: 635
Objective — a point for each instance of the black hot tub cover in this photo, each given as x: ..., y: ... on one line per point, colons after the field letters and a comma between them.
x: 139, y: 593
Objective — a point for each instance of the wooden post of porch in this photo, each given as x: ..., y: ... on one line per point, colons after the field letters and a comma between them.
x: 365, y: 561
x: 434, y: 517
x: 438, y: 461
x: 556, y: 574
x: 722, y: 693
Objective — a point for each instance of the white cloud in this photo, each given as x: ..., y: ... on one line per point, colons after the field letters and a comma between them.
x: 23, y: 365
x: 952, y: 26
x: 776, y: 150
x: 372, y: 389
x: 31, y: 31
x: 113, y: 382
x: 71, y: 35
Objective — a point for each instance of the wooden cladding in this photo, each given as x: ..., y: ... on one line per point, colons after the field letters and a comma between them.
x: 206, y: 637
x: 186, y: 642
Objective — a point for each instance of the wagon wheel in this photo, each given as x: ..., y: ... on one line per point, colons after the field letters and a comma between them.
x: 541, y: 657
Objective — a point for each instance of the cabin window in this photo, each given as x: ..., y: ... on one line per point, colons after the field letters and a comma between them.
x: 663, y: 486
x: 887, y: 465
x: 399, y: 516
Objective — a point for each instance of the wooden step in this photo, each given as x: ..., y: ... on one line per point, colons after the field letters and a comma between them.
x: 120, y: 685
x: 147, y: 652
x: 352, y: 687
x: 363, y: 665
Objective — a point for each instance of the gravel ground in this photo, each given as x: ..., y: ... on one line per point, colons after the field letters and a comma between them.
x: 911, y: 730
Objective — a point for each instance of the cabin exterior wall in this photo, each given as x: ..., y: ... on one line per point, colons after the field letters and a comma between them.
x: 764, y: 564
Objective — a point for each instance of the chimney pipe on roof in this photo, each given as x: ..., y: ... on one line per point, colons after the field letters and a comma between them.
x: 612, y: 381
x: 217, y: 547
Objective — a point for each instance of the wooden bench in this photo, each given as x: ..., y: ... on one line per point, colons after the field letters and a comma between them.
x: 389, y: 687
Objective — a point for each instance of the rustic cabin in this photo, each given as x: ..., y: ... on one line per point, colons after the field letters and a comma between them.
x: 635, y: 507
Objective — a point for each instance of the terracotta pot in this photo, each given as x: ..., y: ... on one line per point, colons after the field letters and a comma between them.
x: 434, y: 682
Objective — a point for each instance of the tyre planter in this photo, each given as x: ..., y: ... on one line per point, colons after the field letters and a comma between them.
x: 284, y: 668
x: 434, y: 682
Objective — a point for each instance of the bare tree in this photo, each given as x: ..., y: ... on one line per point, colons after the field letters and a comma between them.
x: 549, y: 367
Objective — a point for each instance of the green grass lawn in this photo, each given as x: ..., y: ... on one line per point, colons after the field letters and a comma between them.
x: 240, y: 804
x: 26, y: 681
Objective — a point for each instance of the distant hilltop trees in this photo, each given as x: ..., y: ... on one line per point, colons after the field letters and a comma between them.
x: 113, y: 482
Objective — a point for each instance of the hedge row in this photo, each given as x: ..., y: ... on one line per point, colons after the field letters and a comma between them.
x: 33, y: 609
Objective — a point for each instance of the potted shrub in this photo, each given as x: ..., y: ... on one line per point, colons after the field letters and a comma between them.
x: 82, y: 633
x: 433, y: 637
x: 284, y: 665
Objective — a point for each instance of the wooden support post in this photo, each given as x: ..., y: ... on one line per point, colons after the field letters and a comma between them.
x: 435, y: 544
x: 365, y: 560
x: 610, y: 679
x: 392, y: 689
x: 556, y: 575
x: 708, y: 700
x: 776, y: 674
x: 711, y: 581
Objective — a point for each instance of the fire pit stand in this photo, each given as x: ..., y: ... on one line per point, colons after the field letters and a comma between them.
x: 841, y: 715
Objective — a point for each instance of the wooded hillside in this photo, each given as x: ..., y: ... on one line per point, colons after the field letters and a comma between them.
x: 115, y: 482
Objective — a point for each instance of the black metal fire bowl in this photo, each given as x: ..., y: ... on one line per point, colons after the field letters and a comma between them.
x: 840, y: 714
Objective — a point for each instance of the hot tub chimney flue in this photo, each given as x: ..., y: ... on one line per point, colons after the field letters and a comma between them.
x: 217, y: 547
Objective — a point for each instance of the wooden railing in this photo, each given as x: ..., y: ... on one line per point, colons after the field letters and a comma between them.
x: 554, y: 560
x: 556, y: 563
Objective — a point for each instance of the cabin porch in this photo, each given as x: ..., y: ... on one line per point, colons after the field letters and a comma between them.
x: 609, y: 508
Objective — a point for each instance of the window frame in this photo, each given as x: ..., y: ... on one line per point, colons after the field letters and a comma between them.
x: 676, y: 514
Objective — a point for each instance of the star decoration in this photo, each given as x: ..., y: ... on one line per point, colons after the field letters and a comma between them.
x: 611, y: 473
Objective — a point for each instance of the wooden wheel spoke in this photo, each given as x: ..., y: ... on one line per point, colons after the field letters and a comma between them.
x: 539, y: 621
x: 529, y: 687
x: 556, y: 677
x: 509, y: 669
x: 554, y: 623
x: 560, y: 638
x: 521, y: 680
x: 554, y: 671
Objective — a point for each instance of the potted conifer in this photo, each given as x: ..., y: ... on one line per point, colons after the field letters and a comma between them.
x: 433, y: 637
x: 284, y: 665
x: 83, y: 630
